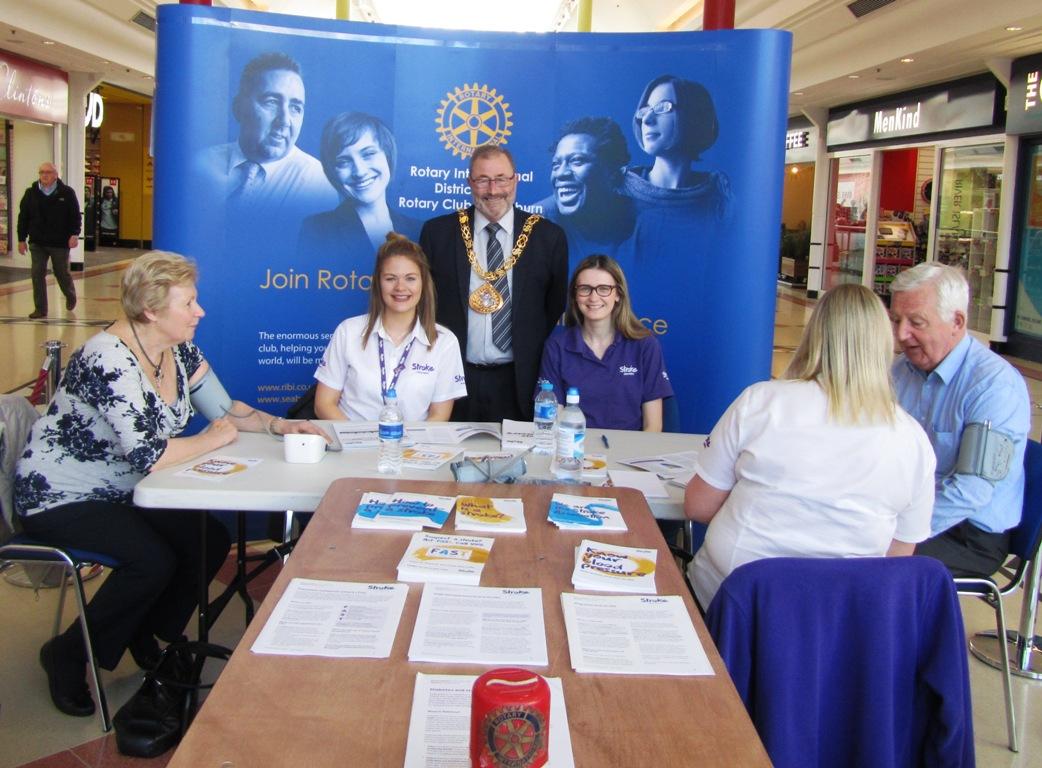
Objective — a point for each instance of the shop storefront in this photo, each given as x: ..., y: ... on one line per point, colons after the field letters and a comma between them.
x: 34, y: 107
x: 1024, y: 125
x: 801, y: 138
x: 923, y: 173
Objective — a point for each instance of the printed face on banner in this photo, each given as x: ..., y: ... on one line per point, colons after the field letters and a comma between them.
x: 270, y: 115
x: 363, y: 170
x: 494, y: 185
x: 579, y: 177
x: 660, y: 131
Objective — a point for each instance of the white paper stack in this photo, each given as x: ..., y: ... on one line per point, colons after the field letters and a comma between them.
x: 442, y: 558
x: 517, y: 435
x: 632, y: 635
x: 614, y: 568
x: 478, y: 513
x: 402, y: 511
x: 585, y: 513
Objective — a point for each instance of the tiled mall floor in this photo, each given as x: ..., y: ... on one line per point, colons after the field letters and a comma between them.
x: 33, y: 733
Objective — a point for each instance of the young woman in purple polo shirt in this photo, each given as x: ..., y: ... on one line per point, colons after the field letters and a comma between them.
x: 605, y: 351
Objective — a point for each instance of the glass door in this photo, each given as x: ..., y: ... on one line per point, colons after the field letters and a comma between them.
x: 967, y: 221
x: 1028, y: 313
x: 850, y: 183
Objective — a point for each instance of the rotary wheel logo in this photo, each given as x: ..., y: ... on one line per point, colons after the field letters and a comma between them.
x: 471, y: 116
x: 514, y: 736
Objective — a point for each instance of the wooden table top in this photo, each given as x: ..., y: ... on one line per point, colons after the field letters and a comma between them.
x: 313, y: 712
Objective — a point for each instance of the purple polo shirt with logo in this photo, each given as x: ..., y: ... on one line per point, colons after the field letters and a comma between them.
x: 613, y: 389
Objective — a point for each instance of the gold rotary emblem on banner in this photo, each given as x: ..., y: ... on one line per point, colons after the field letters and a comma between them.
x: 471, y: 116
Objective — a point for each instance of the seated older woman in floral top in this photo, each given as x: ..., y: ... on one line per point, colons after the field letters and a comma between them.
x: 122, y: 400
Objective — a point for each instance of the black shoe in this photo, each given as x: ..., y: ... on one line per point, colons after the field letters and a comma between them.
x: 37, y: 314
x: 70, y: 302
x: 66, y: 679
x: 145, y: 652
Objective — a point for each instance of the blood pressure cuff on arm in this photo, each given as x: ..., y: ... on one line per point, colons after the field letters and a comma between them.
x: 984, y: 452
x: 209, y: 397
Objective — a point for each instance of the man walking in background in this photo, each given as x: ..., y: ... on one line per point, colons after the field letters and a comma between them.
x: 49, y: 219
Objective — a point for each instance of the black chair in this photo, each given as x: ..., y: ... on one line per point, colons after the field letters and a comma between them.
x: 1024, y: 545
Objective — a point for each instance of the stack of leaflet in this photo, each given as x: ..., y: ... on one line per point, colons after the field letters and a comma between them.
x: 479, y: 513
x: 585, y: 513
x: 402, y: 511
x: 595, y: 467
x: 448, y: 559
x: 614, y: 568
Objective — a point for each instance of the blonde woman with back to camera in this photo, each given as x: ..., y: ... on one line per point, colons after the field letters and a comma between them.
x: 820, y: 463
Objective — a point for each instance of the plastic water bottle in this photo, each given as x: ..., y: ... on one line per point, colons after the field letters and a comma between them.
x: 545, y: 416
x: 571, y: 439
x: 391, y: 432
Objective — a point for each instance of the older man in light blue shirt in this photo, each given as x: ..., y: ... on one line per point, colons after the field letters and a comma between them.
x: 948, y: 380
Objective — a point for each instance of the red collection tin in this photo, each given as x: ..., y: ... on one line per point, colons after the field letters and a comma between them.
x: 509, y: 719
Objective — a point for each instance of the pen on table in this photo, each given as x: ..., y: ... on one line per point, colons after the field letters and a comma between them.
x: 604, y: 439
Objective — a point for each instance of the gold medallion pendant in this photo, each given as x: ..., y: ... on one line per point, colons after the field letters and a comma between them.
x: 486, y: 299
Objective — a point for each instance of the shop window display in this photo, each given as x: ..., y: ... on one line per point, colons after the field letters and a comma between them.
x: 967, y: 221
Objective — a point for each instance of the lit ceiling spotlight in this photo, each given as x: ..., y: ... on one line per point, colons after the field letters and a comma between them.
x: 853, y: 77
x: 907, y: 60
x: 797, y: 93
x: 48, y: 42
x: 794, y: 170
x: 1014, y: 29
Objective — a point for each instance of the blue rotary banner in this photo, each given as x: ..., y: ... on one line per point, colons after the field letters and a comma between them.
x: 369, y: 121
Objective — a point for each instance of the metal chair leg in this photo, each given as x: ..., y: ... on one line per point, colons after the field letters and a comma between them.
x: 1007, y: 683
x: 66, y: 573
x: 103, y: 707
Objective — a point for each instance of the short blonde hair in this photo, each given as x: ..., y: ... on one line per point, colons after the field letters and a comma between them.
x: 847, y: 348
x: 147, y: 281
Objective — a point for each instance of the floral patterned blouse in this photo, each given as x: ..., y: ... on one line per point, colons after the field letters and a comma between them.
x: 104, y: 429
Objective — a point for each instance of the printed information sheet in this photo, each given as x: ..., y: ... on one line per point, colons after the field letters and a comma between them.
x: 480, y: 625
x: 338, y: 619
x: 439, y: 726
x: 631, y: 635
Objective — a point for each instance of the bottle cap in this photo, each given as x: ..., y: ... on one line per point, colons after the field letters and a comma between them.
x: 392, y: 393
x: 572, y: 396
x: 547, y: 386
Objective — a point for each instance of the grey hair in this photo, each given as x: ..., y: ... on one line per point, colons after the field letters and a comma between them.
x: 953, y: 290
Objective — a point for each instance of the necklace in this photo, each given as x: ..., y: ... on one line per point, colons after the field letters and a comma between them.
x: 486, y: 299
x: 157, y: 370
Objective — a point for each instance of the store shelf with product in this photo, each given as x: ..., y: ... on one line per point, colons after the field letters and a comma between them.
x: 895, y: 251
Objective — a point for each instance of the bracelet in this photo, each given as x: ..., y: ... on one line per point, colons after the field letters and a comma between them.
x: 271, y: 425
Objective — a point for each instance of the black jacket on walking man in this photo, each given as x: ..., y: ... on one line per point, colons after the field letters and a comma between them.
x: 49, y: 219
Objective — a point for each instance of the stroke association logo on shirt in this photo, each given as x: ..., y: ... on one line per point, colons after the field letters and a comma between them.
x: 628, y: 370
x: 471, y: 116
x: 422, y: 368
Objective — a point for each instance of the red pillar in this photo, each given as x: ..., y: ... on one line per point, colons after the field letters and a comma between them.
x: 718, y: 14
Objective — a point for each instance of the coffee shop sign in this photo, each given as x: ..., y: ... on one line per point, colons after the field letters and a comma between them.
x: 32, y: 91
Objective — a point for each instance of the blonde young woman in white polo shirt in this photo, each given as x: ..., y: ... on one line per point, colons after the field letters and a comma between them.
x: 820, y: 463
x: 397, y: 344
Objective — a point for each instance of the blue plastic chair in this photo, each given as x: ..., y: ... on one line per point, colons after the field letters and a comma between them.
x: 22, y: 549
x: 1024, y: 544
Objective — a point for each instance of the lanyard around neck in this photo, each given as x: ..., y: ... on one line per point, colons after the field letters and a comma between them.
x: 397, y: 369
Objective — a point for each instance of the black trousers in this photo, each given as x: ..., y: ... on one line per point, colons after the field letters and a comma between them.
x: 967, y: 550
x: 59, y: 258
x: 491, y: 394
x: 156, y: 588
